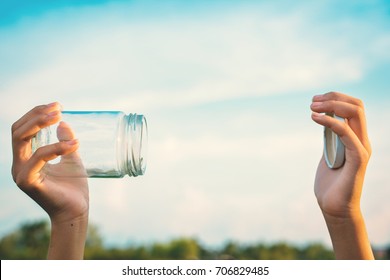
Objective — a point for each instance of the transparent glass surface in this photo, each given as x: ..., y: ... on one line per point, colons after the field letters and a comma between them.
x: 111, y: 144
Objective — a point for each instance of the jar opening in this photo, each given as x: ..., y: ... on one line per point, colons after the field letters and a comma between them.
x: 137, y: 142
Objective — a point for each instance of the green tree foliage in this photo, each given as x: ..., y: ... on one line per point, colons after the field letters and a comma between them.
x: 277, y: 251
x: 31, y: 241
x: 28, y: 242
x: 94, y: 243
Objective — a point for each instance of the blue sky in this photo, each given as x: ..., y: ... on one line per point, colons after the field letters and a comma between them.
x: 226, y: 88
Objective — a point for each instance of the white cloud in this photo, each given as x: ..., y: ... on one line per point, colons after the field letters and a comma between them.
x: 180, y: 61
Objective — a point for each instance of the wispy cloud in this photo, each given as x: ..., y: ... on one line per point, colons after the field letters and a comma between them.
x: 182, y: 61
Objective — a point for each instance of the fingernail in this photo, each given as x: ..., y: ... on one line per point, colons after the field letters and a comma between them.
x: 316, y: 104
x: 315, y: 114
x: 53, y: 114
x: 54, y: 104
x: 316, y: 97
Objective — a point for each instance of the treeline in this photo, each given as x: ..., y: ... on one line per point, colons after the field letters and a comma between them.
x: 31, y: 241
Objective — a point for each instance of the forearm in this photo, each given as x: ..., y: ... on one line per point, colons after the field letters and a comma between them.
x: 349, y: 237
x: 68, y: 239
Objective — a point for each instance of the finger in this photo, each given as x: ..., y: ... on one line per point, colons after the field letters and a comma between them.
x: 30, y: 127
x: 352, y: 112
x: 340, y: 108
x: 66, y: 133
x: 21, y: 144
x: 337, y: 96
x: 354, y: 147
x: 38, y: 110
x: 32, y: 168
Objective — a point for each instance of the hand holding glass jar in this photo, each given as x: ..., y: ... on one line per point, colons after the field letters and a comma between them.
x: 54, y: 152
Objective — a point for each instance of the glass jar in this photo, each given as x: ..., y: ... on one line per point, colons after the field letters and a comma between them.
x: 111, y: 144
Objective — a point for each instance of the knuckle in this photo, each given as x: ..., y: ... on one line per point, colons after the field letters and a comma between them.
x: 50, y: 152
x: 43, y: 153
x: 15, y: 135
x: 21, y: 181
x: 365, y: 156
x: 41, y: 121
x: 16, y: 132
x: 14, y: 127
x: 360, y: 103
x: 330, y: 104
x: 340, y: 127
x: 360, y: 111
x: 17, y: 176
x: 331, y: 94
x: 25, y: 182
x: 39, y: 109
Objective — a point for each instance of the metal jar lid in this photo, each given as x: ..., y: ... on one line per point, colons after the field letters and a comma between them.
x: 334, y: 149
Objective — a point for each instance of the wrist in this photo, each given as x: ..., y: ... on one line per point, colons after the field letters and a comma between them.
x: 68, y: 236
x: 348, y: 215
x: 349, y: 236
x: 68, y: 218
